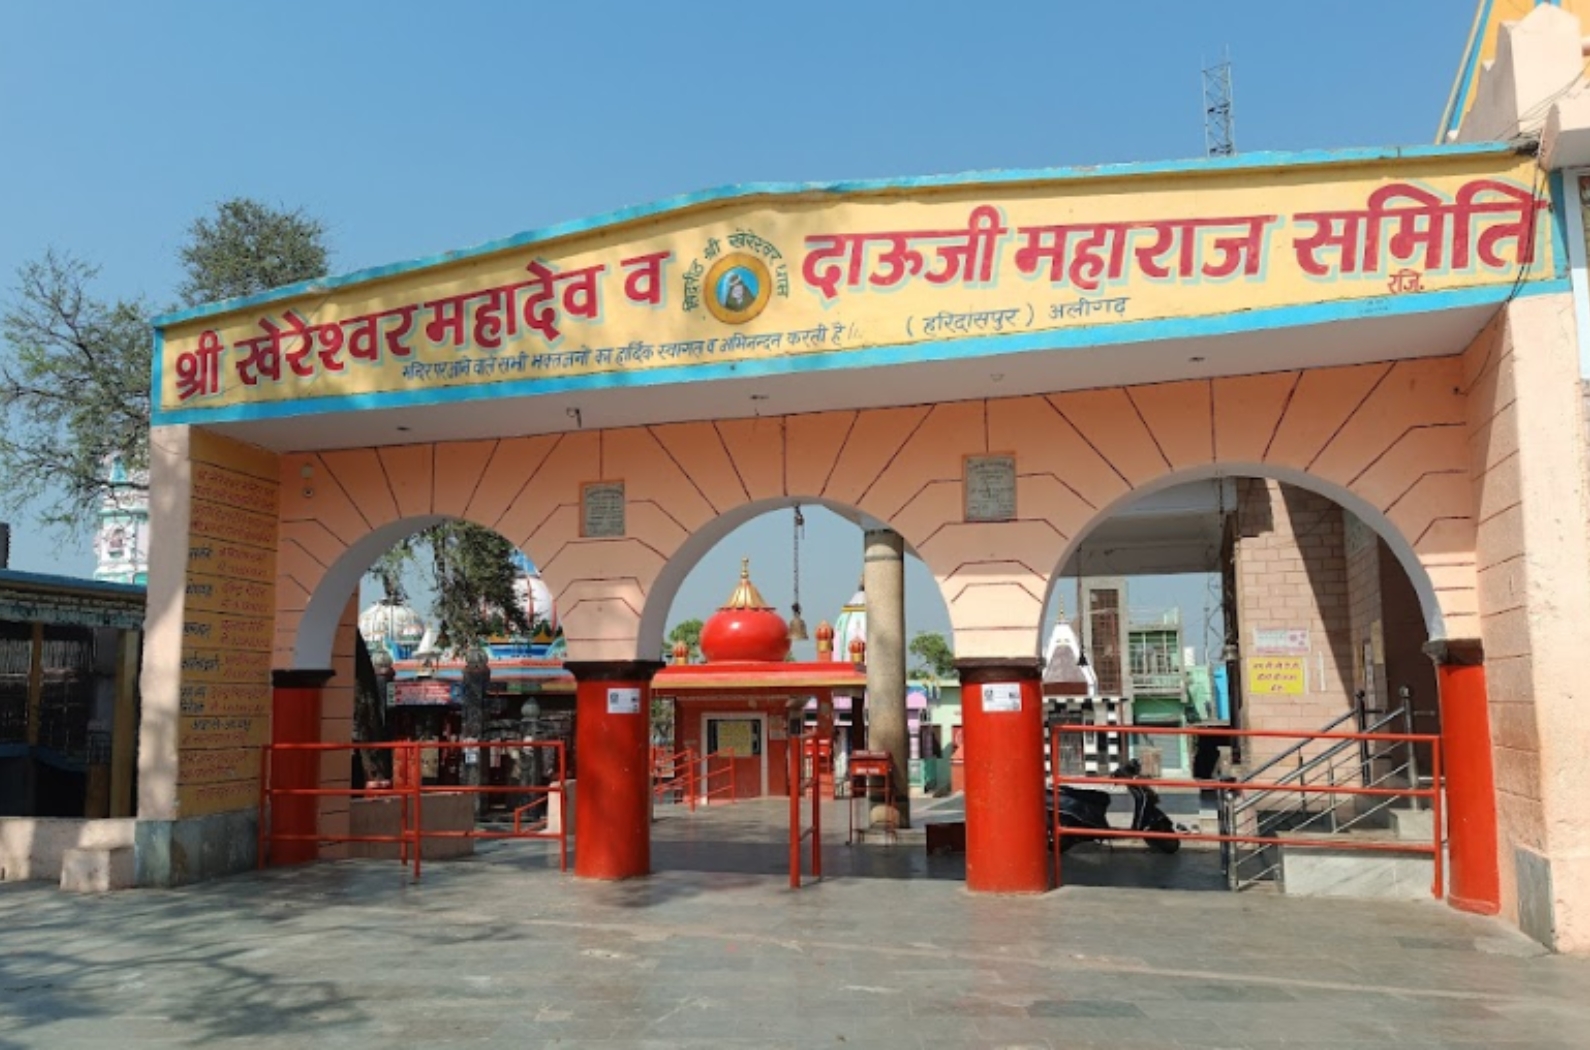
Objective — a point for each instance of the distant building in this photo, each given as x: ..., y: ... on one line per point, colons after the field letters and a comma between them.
x: 121, y: 543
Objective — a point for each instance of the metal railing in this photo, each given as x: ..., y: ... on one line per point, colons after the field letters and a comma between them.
x: 1229, y: 835
x: 1359, y: 761
x: 717, y: 778
x: 804, y: 780
x: 409, y: 788
x: 673, y: 775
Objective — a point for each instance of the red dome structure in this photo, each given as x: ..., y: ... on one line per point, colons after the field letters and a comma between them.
x: 745, y: 629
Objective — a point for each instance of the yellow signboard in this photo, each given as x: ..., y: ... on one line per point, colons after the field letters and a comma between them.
x: 1275, y: 676
x: 982, y: 267
x: 227, y: 628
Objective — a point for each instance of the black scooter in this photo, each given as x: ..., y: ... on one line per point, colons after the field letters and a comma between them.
x: 1083, y: 810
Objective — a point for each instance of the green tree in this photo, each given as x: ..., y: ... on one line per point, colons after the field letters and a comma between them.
x: 472, y: 577
x: 246, y: 248
x: 934, y: 657
x: 689, y: 632
x: 74, y: 393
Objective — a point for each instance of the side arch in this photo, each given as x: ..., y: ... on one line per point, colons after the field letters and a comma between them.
x: 1399, y: 545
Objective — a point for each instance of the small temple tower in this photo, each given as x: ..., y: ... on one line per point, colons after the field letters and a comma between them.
x: 121, y: 543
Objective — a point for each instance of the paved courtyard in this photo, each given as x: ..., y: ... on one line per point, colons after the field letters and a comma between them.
x: 501, y: 950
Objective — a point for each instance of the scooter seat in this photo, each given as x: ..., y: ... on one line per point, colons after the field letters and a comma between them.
x: 1087, y: 796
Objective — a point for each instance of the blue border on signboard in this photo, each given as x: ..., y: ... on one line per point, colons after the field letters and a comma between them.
x: 741, y: 193
x: 899, y: 354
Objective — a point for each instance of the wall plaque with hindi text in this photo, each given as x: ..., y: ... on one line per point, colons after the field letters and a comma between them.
x: 990, y: 485
x: 602, y: 509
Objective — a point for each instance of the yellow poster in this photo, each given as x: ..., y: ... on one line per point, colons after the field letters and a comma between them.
x: 735, y: 738
x: 764, y: 277
x: 1275, y: 676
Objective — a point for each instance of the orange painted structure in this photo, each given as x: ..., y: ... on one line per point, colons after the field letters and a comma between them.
x: 1470, y: 784
x: 614, y: 795
x: 283, y: 842
x: 1002, y: 718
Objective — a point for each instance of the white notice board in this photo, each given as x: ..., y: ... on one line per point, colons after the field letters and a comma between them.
x: 623, y: 701
x: 1001, y: 697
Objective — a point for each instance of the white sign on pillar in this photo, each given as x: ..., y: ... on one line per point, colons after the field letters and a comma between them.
x: 1001, y: 697
x: 623, y: 701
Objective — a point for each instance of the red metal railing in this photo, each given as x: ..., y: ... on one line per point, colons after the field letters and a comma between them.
x: 674, y: 773
x: 804, y: 780
x: 717, y: 778
x: 1228, y: 788
x: 408, y: 787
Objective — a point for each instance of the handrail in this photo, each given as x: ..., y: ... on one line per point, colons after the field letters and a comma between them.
x: 1300, y: 745
x: 804, y: 776
x: 708, y: 775
x: 1227, y: 836
x: 1328, y: 754
x: 681, y: 775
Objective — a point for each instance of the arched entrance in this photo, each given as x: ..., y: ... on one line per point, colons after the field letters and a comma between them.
x: 1288, y: 616
x: 1003, y: 397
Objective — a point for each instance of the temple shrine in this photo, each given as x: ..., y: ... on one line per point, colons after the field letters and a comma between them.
x: 747, y: 697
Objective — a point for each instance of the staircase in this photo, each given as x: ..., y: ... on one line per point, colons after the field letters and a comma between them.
x: 1280, y: 809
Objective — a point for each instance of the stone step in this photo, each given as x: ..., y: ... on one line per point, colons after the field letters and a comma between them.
x: 1326, y: 872
x: 97, y: 870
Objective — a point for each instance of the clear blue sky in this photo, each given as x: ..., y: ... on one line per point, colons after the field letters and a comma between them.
x: 415, y: 128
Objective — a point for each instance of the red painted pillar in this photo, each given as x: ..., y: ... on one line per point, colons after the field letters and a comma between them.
x: 1002, y: 719
x: 612, y: 744
x: 295, y: 719
x: 1474, y: 879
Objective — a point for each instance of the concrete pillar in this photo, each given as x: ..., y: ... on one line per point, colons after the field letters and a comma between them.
x: 883, y: 580
x: 612, y: 747
x: 295, y: 719
x: 1474, y: 879
x: 1002, y: 713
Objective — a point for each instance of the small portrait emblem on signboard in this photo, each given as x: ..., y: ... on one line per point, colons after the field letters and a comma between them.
x: 736, y: 277
x: 737, y: 288
x: 602, y: 509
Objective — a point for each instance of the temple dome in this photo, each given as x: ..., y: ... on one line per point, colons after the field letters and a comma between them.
x: 393, y: 626
x: 534, y: 596
x: 851, y: 626
x: 745, y: 628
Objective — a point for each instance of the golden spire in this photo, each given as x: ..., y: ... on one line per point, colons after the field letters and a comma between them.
x: 745, y: 595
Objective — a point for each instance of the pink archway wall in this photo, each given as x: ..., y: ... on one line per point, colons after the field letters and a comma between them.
x: 1388, y: 441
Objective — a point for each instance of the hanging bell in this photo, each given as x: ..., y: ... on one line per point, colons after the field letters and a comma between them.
x: 797, y: 626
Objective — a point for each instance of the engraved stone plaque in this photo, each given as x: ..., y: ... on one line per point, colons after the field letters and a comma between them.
x: 602, y: 510
x: 990, y: 485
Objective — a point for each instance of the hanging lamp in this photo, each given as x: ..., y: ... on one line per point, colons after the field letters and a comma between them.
x: 797, y: 625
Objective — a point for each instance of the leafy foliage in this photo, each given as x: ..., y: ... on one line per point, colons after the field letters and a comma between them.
x: 935, y: 658
x: 472, y: 577
x: 689, y: 632
x: 247, y: 248
x: 74, y: 392
x: 75, y: 375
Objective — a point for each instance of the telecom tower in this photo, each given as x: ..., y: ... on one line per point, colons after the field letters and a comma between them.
x: 1220, y: 132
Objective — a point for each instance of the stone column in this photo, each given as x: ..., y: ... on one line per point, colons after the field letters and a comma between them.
x: 295, y: 719
x: 1473, y: 879
x: 883, y: 576
x: 612, y: 743
x: 1002, y: 712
